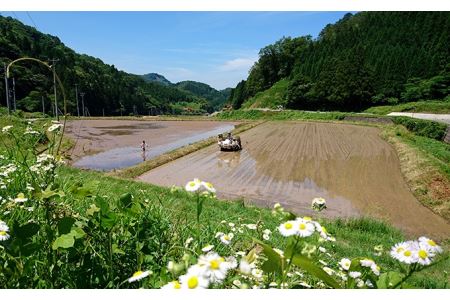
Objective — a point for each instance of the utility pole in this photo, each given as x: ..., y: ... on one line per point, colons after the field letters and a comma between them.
x: 82, y: 102
x: 7, y: 91
x: 54, y: 86
x: 43, y: 107
x: 14, y: 94
x: 76, y: 96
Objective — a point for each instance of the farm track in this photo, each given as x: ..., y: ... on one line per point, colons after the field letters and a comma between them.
x: 292, y: 162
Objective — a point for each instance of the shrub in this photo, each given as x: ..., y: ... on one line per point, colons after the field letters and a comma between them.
x: 425, y: 128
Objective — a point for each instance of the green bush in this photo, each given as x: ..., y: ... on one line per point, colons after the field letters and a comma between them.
x: 425, y: 128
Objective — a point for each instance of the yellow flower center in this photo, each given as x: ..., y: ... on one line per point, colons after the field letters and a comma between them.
x: 288, y: 225
x: 423, y: 254
x: 400, y: 249
x: 192, y: 184
x: 407, y: 253
x: 137, y: 273
x: 209, y: 185
x: 307, y: 218
x: 176, y: 285
x: 215, y: 263
x: 2, y: 232
x: 431, y: 243
x: 192, y: 282
x: 302, y: 226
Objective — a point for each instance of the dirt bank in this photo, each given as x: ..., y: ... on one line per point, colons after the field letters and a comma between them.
x: 95, y: 136
x: 292, y: 162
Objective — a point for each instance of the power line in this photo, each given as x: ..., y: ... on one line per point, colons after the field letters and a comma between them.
x: 32, y: 21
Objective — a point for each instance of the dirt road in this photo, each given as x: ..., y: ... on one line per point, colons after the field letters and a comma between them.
x: 108, y: 144
x: 292, y: 162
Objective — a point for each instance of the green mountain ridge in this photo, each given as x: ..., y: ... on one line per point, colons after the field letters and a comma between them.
x: 363, y: 60
x: 106, y: 89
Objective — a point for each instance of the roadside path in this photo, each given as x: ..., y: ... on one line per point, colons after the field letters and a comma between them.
x: 443, y: 118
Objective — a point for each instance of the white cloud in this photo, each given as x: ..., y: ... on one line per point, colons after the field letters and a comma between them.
x: 237, y: 64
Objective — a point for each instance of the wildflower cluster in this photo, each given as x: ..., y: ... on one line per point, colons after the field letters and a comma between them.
x: 318, y: 204
x: 421, y: 251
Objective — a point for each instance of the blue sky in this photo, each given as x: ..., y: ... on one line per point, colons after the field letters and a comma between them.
x: 217, y: 48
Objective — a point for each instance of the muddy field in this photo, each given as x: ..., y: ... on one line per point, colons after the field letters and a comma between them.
x: 110, y: 144
x: 292, y: 162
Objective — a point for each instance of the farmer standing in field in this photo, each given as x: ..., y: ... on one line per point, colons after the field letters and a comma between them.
x: 143, y: 146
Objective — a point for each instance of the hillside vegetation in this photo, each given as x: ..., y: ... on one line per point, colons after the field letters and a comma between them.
x: 106, y: 88
x: 363, y: 60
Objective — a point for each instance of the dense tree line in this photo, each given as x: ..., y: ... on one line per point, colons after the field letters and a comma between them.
x: 366, y: 59
x: 105, y: 87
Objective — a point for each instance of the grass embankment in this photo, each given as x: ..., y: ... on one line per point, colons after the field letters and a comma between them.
x: 269, y: 98
x: 354, y: 237
x: 146, y: 166
x: 437, y: 107
x: 279, y: 115
x: 425, y: 164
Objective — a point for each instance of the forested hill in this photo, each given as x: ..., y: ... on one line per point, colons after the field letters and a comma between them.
x: 366, y: 59
x: 216, y: 98
x: 155, y: 77
x: 105, y: 87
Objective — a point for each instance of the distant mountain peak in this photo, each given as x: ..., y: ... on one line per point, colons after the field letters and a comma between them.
x: 155, y: 77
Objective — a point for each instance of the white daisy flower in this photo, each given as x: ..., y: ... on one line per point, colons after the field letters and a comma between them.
x: 423, y: 255
x: 322, y: 249
x: 366, y: 262
x: 251, y: 226
x: 398, y: 249
x: 267, y: 231
x: 318, y: 204
x: 266, y: 237
x: 408, y: 256
x: 207, y: 248
x: 430, y: 244
x: 245, y: 267
x: 304, y: 284
x: 20, y: 198
x: 304, y: 228
x: 345, y: 263
x: 375, y: 269
x: 209, y: 187
x: 354, y: 274
x: 328, y: 270
x: 257, y: 273
x: 231, y: 225
x: 226, y: 238
x: 215, y: 266
x: 4, y: 236
x: 193, y: 186
x: 219, y: 234
x: 172, y: 285
x: 188, y: 241
x: 237, y: 283
x: 6, y: 128
x: 194, y: 278
x: 288, y: 228
x: 139, y: 275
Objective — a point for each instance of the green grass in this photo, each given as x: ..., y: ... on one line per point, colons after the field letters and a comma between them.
x: 280, y: 115
x: 355, y: 237
x: 438, y: 107
x: 269, y: 98
x: 437, y: 151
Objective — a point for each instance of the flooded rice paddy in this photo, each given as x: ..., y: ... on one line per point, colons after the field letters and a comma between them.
x: 292, y: 162
x: 112, y: 144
